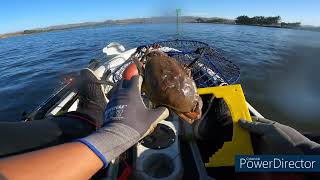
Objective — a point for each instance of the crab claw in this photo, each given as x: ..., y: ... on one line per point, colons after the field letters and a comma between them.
x: 195, y: 114
x: 190, y: 117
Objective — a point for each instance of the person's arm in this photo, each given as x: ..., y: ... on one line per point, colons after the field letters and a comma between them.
x: 66, y: 161
x: 276, y: 138
x: 126, y: 121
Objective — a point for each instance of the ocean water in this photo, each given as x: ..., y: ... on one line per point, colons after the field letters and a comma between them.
x: 279, y: 67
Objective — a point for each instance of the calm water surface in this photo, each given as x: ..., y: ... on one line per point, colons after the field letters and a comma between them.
x: 279, y: 67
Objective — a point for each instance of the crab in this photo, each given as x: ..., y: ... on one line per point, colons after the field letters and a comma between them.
x: 169, y: 83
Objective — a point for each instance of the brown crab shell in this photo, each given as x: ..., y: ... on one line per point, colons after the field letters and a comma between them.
x: 167, y: 82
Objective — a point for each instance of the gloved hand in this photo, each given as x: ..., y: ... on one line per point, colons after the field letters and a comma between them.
x: 276, y: 138
x: 126, y: 121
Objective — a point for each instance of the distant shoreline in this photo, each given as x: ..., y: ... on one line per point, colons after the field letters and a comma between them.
x: 152, y: 20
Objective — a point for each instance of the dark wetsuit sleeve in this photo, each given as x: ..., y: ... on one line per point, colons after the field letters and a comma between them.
x: 309, y: 147
x: 18, y: 137
x: 316, y: 149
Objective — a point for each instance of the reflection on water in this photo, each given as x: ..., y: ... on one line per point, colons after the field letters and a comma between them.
x: 278, y: 66
x: 291, y: 91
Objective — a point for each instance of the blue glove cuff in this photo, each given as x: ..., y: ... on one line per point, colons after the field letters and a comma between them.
x: 95, y: 150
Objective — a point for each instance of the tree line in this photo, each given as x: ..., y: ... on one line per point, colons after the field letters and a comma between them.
x: 258, y: 20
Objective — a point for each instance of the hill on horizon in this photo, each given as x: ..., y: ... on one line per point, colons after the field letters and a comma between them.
x: 164, y: 19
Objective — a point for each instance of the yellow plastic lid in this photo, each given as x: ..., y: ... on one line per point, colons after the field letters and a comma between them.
x: 241, y: 142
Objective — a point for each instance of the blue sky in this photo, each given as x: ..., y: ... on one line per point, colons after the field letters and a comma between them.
x: 18, y: 15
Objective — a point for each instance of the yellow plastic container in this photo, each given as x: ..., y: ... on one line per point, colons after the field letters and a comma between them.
x: 241, y: 142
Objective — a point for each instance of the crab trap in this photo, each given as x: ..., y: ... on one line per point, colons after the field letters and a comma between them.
x: 208, y: 67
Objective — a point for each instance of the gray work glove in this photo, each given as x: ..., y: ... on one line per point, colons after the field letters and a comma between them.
x: 276, y: 138
x: 126, y: 121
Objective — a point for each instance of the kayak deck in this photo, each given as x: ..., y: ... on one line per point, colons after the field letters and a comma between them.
x: 187, y: 155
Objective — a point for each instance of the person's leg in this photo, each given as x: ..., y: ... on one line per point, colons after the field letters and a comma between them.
x: 214, y: 128
x: 18, y: 137
x: 216, y: 123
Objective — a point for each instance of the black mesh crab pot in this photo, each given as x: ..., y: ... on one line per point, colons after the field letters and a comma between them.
x: 208, y: 67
